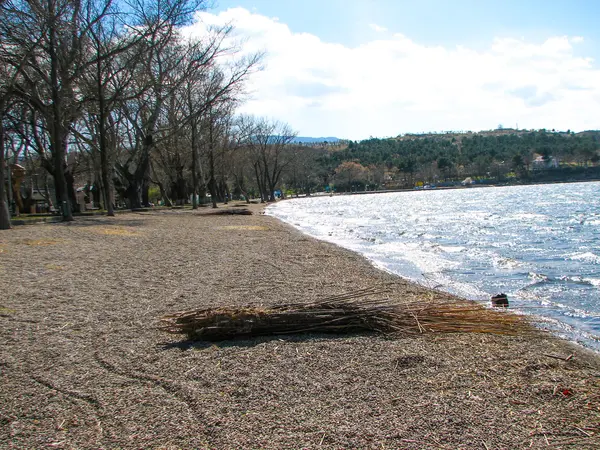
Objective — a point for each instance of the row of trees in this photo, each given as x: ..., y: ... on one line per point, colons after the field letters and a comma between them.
x: 116, y: 93
x: 448, y: 157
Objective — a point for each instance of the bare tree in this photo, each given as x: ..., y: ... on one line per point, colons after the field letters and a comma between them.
x: 49, y: 80
x: 191, y: 82
x: 13, y: 59
x: 107, y: 82
x: 4, y: 212
x: 73, y: 40
x: 8, y: 75
x: 306, y: 172
x: 241, y: 156
x: 107, y: 74
x: 121, y: 59
x: 268, y: 143
x: 216, y: 126
x: 212, y: 92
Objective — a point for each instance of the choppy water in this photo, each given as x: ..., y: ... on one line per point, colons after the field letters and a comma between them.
x: 538, y: 244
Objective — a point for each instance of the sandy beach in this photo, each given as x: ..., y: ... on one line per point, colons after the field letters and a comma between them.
x: 84, y: 365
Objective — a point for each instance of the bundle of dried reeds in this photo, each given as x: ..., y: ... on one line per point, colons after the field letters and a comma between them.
x: 227, y: 212
x: 364, y: 310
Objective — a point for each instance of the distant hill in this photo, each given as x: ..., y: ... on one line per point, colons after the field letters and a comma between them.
x: 458, y: 135
x: 522, y: 155
x: 314, y: 140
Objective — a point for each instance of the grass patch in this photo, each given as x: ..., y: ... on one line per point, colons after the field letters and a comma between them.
x: 6, y: 311
x: 39, y: 242
x: 116, y: 231
x: 33, y: 218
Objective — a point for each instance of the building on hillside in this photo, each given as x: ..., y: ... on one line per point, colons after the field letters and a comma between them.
x: 541, y: 163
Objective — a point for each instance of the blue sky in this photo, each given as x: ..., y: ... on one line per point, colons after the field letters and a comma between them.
x: 356, y: 68
x: 437, y: 22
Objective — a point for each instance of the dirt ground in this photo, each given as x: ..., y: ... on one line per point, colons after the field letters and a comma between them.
x: 83, y: 363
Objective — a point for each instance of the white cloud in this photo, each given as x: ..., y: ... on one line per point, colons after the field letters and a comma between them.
x: 377, y: 28
x: 394, y: 85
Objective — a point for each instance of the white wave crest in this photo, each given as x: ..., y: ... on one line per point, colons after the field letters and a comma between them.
x: 588, y: 257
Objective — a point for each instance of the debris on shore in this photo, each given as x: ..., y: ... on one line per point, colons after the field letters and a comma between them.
x: 366, y: 310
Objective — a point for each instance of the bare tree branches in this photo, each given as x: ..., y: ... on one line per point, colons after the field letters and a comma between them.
x: 123, y: 83
x: 268, y: 145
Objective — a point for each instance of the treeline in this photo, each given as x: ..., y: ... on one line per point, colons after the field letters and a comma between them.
x: 443, y: 158
x: 115, y: 96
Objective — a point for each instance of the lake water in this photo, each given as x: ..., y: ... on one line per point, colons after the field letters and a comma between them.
x: 538, y: 244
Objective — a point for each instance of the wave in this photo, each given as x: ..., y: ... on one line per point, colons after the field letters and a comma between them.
x: 507, y: 263
x: 593, y: 281
x: 587, y: 257
x: 540, y: 278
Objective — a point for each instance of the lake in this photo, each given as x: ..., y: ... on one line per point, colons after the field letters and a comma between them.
x: 538, y: 244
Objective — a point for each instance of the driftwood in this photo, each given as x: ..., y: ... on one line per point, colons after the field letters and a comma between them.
x: 346, y: 313
x: 225, y: 212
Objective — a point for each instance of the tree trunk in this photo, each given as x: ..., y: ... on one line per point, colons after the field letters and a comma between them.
x: 138, y: 181
x: 10, y: 183
x: 4, y: 212
x: 145, y: 193
x: 265, y: 189
x: 163, y: 193
x: 133, y: 196
x: 71, y: 195
x: 181, y: 187
x: 60, y: 182
x: 47, y: 194
x: 272, y: 185
x: 98, y: 196
x: 227, y: 192
x: 105, y: 174
x: 212, y: 183
x: 59, y: 132
x: 194, y: 168
x: 104, y: 166
x: 258, y: 181
x: 213, y: 192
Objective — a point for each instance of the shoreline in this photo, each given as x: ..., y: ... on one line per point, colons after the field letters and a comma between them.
x: 441, y: 188
x: 545, y: 324
x: 84, y: 366
x: 549, y: 317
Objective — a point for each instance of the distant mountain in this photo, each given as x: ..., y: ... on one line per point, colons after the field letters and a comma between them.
x: 313, y: 140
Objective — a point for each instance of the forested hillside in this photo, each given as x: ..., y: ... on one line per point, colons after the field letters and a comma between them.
x: 500, y: 154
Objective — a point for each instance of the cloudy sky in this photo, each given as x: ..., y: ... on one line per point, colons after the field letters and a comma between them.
x: 360, y: 68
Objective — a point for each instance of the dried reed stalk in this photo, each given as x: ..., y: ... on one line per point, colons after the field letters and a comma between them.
x: 358, y: 311
x: 228, y: 212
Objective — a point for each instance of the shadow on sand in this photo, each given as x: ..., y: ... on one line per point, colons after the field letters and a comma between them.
x: 254, y: 341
